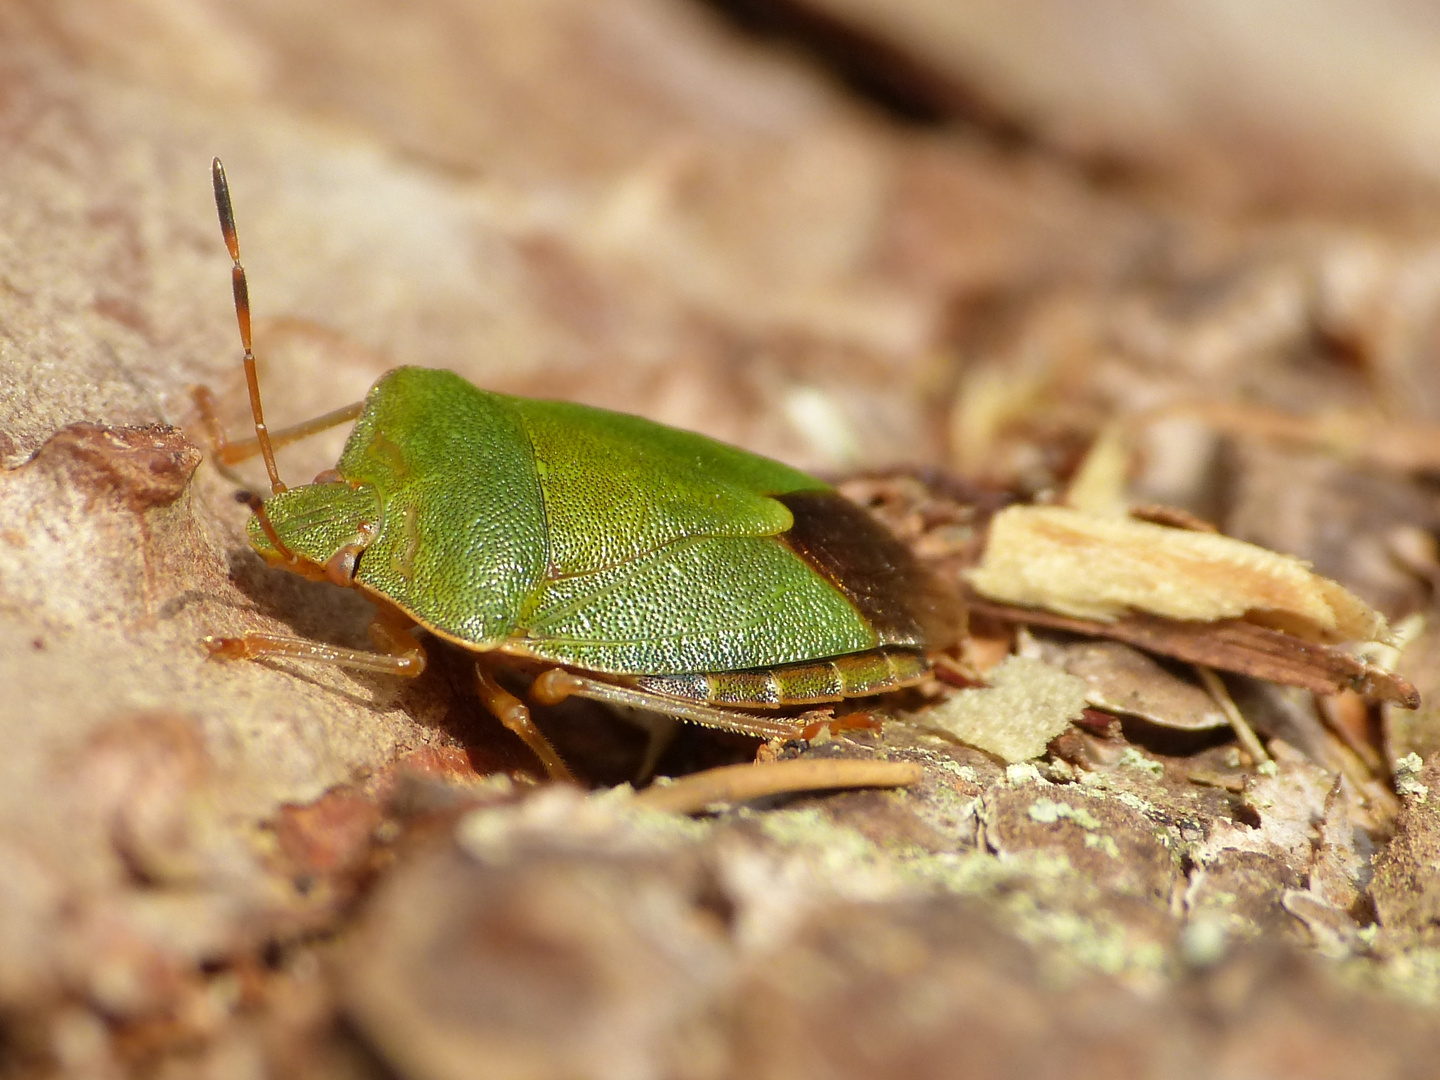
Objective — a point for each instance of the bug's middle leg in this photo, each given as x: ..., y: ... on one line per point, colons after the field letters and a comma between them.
x: 513, y: 713
x: 555, y: 685
x: 702, y: 699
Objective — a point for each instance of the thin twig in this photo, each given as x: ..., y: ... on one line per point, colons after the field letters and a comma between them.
x: 740, y: 783
x: 1243, y: 731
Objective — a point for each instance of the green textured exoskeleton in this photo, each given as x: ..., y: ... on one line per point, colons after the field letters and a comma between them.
x: 649, y: 566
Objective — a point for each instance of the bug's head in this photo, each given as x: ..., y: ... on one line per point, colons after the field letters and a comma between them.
x: 317, y: 530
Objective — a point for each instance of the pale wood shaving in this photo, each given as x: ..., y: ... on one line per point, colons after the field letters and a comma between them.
x: 1098, y: 568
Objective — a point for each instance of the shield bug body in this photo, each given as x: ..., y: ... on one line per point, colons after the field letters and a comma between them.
x: 635, y: 563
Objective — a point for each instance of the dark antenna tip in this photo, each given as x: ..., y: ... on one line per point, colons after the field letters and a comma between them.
x: 226, y: 210
x: 242, y: 318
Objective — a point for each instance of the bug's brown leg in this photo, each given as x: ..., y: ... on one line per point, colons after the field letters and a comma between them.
x: 513, y: 713
x: 556, y: 685
x: 232, y: 453
x: 400, y: 653
x: 204, y: 400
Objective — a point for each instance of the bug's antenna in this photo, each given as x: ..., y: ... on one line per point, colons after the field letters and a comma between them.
x: 257, y: 507
x: 242, y: 316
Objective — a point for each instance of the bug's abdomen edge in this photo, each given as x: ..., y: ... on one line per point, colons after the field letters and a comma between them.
x: 811, y: 682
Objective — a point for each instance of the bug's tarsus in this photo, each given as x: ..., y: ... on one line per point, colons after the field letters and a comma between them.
x: 242, y: 317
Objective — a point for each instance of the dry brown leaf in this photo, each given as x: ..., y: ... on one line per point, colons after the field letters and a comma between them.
x: 1122, y: 679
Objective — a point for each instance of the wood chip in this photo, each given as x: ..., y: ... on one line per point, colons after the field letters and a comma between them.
x: 1026, y: 704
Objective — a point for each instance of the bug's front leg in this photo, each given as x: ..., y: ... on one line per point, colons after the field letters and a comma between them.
x: 400, y: 654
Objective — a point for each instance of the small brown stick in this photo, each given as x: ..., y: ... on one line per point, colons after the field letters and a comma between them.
x: 1243, y: 731
x: 1209, y: 778
x: 741, y: 783
x: 1228, y: 645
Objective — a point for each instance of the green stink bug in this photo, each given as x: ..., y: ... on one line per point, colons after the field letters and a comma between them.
x: 638, y: 564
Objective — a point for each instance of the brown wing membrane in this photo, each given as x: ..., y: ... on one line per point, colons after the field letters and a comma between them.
x: 903, y: 601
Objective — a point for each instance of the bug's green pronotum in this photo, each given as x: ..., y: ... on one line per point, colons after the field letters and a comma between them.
x: 640, y: 564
